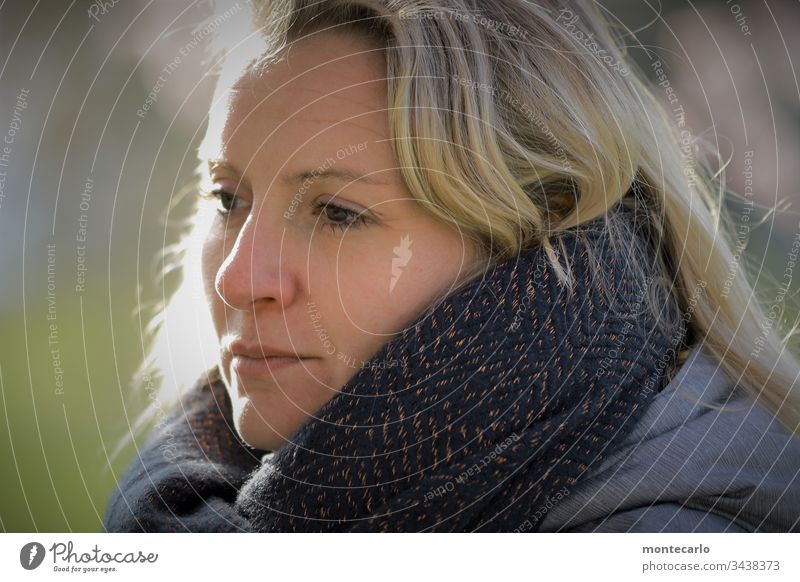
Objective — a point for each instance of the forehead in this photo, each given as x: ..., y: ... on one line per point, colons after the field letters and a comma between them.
x: 322, y: 94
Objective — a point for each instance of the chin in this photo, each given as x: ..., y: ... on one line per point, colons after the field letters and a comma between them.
x: 261, y: 430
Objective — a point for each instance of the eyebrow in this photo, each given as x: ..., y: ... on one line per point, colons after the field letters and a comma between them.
x: 339, y: 174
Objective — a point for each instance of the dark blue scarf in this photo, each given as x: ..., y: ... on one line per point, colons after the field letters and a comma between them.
x: 478, y: 417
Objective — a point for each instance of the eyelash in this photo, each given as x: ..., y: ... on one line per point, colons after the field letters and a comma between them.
x: 218, y: 194
x: 359, y: 218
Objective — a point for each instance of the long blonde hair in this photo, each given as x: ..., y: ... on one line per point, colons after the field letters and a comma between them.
x: 518, y: 120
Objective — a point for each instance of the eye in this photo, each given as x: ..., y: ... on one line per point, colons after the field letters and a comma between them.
x: 226, y: 202
x: 339, y: 218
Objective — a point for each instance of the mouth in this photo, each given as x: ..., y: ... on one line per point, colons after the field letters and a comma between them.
x: 259, y: 361
x: 247, y: 367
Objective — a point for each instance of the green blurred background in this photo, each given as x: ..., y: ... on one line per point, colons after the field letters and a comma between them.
x: 86, y: 78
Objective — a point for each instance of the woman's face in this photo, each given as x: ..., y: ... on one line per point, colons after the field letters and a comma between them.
x: 318, y: 254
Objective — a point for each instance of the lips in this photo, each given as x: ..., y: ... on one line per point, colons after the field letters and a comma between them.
x: 258, y: 361
x: 262, y: 368
x: 260, y: 351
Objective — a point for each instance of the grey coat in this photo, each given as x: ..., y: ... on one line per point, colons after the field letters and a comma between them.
x: 688, y: 467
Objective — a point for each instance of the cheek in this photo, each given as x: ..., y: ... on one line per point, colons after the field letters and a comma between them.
x: 381, y: 291
x: 436, y: 262
x: 211, y: 258
x: 354, y: 290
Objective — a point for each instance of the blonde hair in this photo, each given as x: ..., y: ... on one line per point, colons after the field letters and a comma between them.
x: 520, y: 120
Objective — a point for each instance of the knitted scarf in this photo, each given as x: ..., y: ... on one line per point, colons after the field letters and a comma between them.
x: 478, y: 417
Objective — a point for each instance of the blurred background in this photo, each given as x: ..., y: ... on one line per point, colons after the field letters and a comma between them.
x: 91, y: 157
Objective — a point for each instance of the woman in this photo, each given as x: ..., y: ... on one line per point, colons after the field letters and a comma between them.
x: 461, y: 279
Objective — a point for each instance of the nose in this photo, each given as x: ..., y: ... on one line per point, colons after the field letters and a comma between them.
x: 256, y: 269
